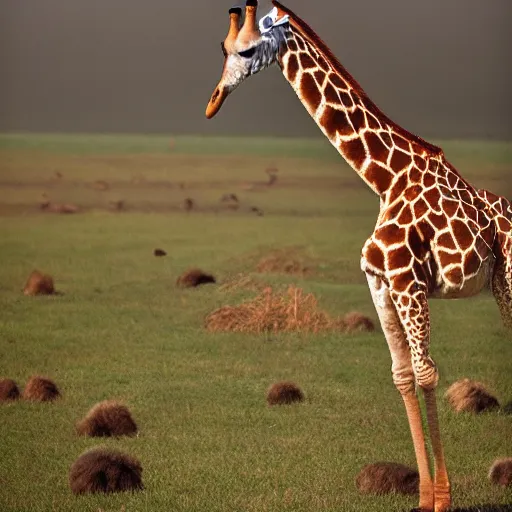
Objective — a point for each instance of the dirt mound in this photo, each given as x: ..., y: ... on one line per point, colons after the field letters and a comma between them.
x: 284, y: 261
x: 194, y: 277
x: 107, y: 419
x: 357, y: 322
x: 8, y: 390
x: 102, y: 470
x: 387, y: 477
x: 40, y: 389
x: 470, y: 396
x: 291, y: 311
x: 284, y: 393
x: 159, y: 253
x: 39, y: 284
x: 501, y: 472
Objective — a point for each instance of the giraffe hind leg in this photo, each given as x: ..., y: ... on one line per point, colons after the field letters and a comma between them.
x: 502, y: 280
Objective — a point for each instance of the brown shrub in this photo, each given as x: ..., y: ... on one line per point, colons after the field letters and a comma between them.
x: 291, y: 311
x: 283, y: 393
x: 258, y: 211
x: 501, y: 472
x: 40, y: 389
x: 159, y: 252
x: 188, y: 204
x: 357, y: 322
x: 105, y: 419
x: 387, y: 477
x: 102, y: 470
x: 39, y: 284
x: 283, y: 261
x: 8, y: 390
x: 194, y: 277
x: 470, y: 396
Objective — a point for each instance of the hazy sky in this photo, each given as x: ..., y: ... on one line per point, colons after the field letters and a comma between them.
x: 438, y: 67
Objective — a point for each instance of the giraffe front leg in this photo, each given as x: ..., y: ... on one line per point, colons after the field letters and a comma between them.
x: 404, y: 380
x: 413, y: 311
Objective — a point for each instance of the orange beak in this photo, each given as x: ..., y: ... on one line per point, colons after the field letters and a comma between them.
x: 218, y: 97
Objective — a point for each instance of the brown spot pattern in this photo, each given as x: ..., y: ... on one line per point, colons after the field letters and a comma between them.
x: 310, y: 92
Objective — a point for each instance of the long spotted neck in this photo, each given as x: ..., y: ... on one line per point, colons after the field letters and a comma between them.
x: 374, y: 146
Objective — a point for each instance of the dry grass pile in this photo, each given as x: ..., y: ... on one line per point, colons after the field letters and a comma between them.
x: 272, y: 175
x: 8, y: 390
x: 59, y: 207
x: 100, y: 185
x: 230, y: 201
x: 117, y: 206
x: 194, y: 277
x: 470, y: 396
x: 283, y: 261
x: 39, y: 284
x: 40, y: 389
x: 107, y: 419
x: 357, y: 322
x: 229, y: 198
x: 291, y: 311
x: 159, y: 253
x: 242, y: 282
x: 387, y: 477
x: 284, y: 393
x: 102, y: 470
x: 501, y: 472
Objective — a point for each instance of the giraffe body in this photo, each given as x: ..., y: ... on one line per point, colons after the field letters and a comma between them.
x: 435, y: 236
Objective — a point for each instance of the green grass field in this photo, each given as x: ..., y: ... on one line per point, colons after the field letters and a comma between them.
x: 122, y: 329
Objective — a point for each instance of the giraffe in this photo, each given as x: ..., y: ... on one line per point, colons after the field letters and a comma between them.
x: 435, y: 235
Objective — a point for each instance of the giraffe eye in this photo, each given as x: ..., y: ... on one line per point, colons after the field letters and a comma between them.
x: 247, y: 54
x: 267, y: 22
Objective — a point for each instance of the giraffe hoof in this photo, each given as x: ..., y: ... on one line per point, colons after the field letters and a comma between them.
x: 442, y: 500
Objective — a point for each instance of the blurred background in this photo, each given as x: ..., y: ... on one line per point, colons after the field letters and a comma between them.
x: 441, y: 69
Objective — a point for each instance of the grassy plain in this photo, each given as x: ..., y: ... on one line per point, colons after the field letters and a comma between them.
x: 121, y: 329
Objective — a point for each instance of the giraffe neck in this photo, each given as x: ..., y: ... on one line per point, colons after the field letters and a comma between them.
x: 373, y: 145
